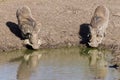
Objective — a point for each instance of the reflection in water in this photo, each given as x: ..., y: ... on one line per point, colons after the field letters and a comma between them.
x: 57, y: 64
x: 98, y: 63
x: 28, y: 65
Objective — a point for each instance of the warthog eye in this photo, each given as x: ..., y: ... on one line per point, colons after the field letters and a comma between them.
x: 27, y: 35
x: 97, y: 35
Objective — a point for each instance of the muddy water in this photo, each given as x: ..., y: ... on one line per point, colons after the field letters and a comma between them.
x: 57, y: 64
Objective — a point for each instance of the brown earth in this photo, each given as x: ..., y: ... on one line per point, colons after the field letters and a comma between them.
x: 61, y: 20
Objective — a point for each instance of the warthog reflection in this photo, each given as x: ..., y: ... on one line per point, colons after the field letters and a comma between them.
x: 98, y: 63
x: 28, y: 65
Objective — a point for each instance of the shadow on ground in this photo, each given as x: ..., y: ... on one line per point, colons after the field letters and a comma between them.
x: 84, y: 34
x: 14, y: 28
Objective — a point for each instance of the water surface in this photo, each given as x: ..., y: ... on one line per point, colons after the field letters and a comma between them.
x: 57, y: 64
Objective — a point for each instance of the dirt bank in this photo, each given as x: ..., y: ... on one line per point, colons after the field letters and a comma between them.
x: 61, y: 20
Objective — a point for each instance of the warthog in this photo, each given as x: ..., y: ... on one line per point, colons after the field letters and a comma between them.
x: 28, y: 27
x: 98, y: 25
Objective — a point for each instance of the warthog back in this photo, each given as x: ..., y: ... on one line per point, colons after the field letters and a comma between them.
x: 25, y: 21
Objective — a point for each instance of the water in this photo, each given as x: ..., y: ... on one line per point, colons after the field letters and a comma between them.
x: 57, y: 64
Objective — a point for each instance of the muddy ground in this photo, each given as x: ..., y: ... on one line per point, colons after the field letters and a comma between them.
x: 61, y: 21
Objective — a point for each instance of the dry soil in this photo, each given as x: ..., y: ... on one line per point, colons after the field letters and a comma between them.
x: 61, y: 20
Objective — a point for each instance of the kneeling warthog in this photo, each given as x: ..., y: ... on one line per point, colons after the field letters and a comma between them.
x: 28, y: 27
x: 98, y: 25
